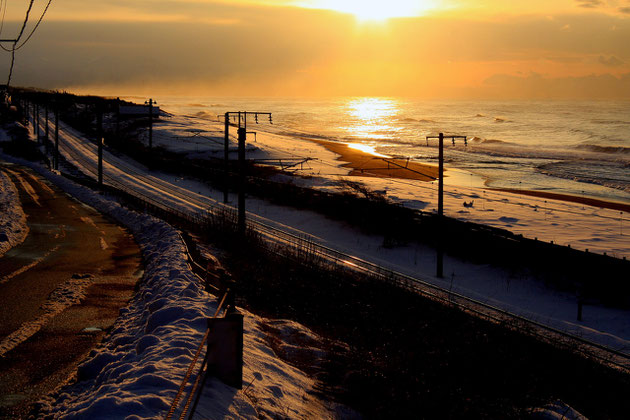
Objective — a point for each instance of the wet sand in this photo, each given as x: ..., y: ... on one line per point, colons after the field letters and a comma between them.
x: 613, y: 205
x: 366, y: 164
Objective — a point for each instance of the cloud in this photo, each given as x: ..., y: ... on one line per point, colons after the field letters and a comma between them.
x: 590, y: 4
x: 625, y: 10
x: 611, y: 61
x: 604, y: 86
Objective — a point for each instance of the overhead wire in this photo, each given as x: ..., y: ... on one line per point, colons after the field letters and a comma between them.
x: 3, y: 7
x: 15, y: 46
x: 28, y: 11
x: 36, y: 25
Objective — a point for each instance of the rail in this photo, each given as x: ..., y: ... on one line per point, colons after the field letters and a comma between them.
x: 418, y: 284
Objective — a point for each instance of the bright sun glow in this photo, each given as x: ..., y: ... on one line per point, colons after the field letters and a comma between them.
x: 373, y: 10
x: 370, y: 118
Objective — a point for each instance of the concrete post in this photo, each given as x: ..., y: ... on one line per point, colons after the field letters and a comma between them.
x: 225, y: 349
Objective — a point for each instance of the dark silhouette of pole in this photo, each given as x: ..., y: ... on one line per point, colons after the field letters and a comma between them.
x: 117, y: 117
x: 226, y: 158
x: 37, y: 121
x: 150, y: 123
x: 46, y: 132
x: 57, y: 137
x: 441, y: 176
x: 440, y: 251
x: 34, y: 122
x: 99, y: 141
x: 242, y: 136
x: 439, y: 272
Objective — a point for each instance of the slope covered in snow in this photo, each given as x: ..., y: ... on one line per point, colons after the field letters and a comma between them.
x: 136, y: 371
x: 13, y: 228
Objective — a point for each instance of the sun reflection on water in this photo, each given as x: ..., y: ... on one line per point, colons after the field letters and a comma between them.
x: 371, y: 118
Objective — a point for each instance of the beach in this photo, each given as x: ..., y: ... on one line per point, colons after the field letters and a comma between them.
x: 366, y: 164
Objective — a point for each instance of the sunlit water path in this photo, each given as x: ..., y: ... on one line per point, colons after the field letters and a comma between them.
x: 580, y: 148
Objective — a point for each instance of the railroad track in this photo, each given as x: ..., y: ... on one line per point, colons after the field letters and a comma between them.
x: 133, y: 180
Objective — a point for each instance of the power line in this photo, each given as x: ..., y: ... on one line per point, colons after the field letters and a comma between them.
x: 28, y: 11
x: 3, y: 6
x: 36, y: 25
x: 15, y: 42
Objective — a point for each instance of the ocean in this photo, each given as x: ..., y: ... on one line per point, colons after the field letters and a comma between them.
x: 580, y: 148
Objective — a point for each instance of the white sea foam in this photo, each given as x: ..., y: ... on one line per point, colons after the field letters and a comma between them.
x: 529, y: 133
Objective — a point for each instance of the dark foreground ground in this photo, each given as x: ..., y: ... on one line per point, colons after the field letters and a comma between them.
x: 393, y: 354
x: 67, y: 243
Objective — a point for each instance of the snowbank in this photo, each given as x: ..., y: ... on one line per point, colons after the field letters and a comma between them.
x: 136, y: 371
x: 13, y: 228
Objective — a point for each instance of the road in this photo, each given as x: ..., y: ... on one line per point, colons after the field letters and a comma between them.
x: 71, y: 254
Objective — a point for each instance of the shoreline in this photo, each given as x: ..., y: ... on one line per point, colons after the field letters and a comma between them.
x: 366, y: 164
x: 594, y: 202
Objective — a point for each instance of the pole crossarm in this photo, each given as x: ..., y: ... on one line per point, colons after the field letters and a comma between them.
x: 449, y: 137
x: 241, y: 117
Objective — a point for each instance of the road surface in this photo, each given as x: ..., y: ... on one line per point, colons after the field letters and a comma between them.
x: 60, y: 290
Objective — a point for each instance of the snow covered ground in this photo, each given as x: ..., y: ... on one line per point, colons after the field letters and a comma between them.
x: 518, y: 293
x: 583, y: 227
x: 13, y: 228
x: 136, y: 371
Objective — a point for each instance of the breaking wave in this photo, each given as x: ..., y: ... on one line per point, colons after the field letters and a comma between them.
x: 605, y: 149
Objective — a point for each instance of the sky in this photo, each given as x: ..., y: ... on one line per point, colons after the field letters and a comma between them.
x: 494, y: 49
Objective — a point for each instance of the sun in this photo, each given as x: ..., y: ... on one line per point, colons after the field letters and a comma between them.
x: 373, y: 10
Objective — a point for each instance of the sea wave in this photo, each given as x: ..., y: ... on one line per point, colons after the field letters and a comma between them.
x: 205, y: 115
x: 479, y: 140
x: 608, y: 174
x: 605, y: 149
x: 610, y: 122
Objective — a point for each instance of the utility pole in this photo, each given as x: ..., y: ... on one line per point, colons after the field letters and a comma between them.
x: 242, y: 137
x: 117, y: 117
x: 46, y: 113
x: 99, y: 140
x: 57, y: 136
x: 440, y: 251
x: 150, y: 103
x: 226, y: 158
x: 37, y: 121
